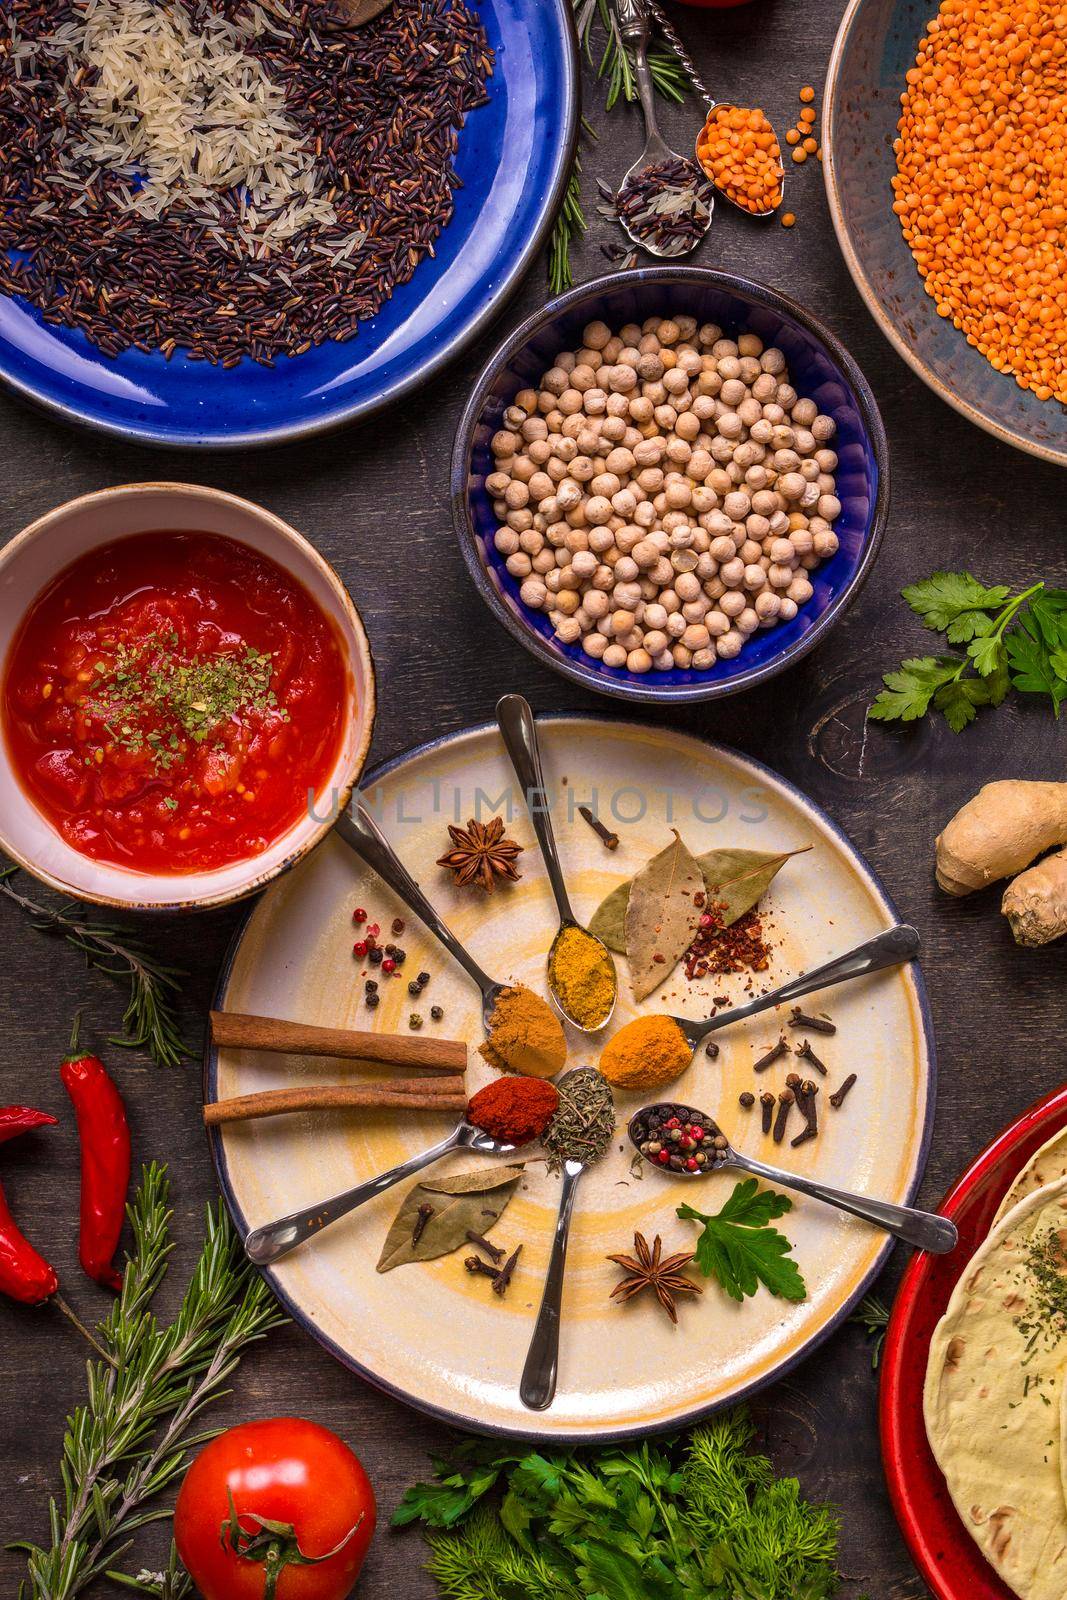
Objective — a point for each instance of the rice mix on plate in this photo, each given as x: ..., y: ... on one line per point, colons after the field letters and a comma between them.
x: 227, y: 179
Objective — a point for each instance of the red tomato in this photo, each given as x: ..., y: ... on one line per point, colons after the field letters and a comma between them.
x: 297, y: 1490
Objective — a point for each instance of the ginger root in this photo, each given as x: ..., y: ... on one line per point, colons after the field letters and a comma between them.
x: 1006, y: 826
x: 1036, y: 903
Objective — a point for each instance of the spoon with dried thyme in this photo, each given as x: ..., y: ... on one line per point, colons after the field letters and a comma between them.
x: 702, y: 1148
x: 578, y: 1136
x: 581, y: 969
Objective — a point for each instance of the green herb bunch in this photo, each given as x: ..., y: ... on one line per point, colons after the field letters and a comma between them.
x: 1006, y: 641
x: 129, y: 1440
x: 705, y: 1520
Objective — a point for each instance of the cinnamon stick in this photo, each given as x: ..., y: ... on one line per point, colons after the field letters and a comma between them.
x: 399, y: 1094
x: 274, y: 1035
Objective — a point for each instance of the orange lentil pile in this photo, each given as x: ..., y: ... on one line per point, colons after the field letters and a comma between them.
x: 981, y: 181
x: 738, y: 150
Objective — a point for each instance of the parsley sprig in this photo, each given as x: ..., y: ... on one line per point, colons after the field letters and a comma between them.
x: 707, y: 1519
x: 1007, y: 641
x: 741, y: 1250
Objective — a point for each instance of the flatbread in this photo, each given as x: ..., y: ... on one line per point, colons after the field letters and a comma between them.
x: 992, y: 1399
x: 1047, y: 1166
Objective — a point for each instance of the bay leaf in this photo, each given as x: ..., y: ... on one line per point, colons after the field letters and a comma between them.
x: 472, y: 1200
x: 662, y: 915
x: 735, y: 878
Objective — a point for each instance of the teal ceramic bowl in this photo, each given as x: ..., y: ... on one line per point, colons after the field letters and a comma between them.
x: 875, y: 47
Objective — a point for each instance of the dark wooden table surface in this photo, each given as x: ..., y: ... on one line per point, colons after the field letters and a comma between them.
x: 374, y: 500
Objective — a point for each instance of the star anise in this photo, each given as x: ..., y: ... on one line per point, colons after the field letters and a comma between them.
x: 653, y: 1270
x: 481, y: 853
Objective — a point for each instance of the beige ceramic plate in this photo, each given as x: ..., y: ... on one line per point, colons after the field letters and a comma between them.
x: 430, y: 1333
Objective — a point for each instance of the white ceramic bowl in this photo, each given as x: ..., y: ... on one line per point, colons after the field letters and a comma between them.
x: 34, y: 557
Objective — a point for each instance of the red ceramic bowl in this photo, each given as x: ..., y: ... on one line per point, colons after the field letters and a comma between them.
x: 942, y: 1549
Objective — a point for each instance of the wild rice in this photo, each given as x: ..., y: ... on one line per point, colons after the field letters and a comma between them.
x: 216, y: 155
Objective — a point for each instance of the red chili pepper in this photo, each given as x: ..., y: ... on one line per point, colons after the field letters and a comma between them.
x: 24, y: 1275
x: 22, y: 1119
x: 105, y: 1148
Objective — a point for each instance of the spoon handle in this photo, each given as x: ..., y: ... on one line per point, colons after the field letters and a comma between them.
x: 922, y: 1229
x: 275, y: 1239
x: 635, y: 31
x: 358, y: 829
x: 891, y: 948
x: 538, y: 1386
x: 519, y: 731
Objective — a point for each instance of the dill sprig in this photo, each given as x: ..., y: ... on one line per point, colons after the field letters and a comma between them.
x: 707, y: 1519
x: 129, y: 1441
x: 613, y: 62
x: 873, y: 1316
x: 149, y: 1021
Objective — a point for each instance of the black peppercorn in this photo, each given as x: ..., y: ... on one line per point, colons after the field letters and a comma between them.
x: 375, y: 957
x: 436, y: 1012
x: 414, y: 988
x: 424, y: 977
x: 373, y: 1000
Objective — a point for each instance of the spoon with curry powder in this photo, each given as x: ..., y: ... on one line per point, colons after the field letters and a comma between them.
x: 522, y: 1033
x: 581, y: 969
x: 890, y: 948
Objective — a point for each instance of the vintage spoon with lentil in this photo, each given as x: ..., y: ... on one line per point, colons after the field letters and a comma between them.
x: 539, y: 1045
x: 645, y: 1051
x: 657, y: 1130
x: 581, y: 969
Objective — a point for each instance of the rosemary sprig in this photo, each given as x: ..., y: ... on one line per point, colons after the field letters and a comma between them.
x: 129, y: 1441
x: 615, y: 65
x: 149, y: 1021
x: 873, y: 1316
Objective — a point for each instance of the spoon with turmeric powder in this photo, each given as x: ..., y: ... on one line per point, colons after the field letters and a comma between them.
x: 581, y: 969
x: 667, y: 1043
x: 522, y: 1032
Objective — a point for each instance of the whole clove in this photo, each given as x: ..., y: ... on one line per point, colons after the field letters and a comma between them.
x: 802, y: 1137
x: 806, y: 1053
x: 785, y: 1105
x: 493, y: 1251
x: 766, y: 1101
x: 422, y: 1217
x: 475, y: 1264
x: 805, y: 1096
x: 800, y: 1019
x: 838, y: 1097
x: 611, y: 840
x: 774, y: 1054
x: 506, y: 1273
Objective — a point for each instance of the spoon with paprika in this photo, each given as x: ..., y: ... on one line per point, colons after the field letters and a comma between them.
x: 581, y: 969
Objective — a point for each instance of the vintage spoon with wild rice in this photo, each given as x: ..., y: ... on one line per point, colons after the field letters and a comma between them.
x: 665, y: 201
x: 922, y: 1229
x: 519, y: 731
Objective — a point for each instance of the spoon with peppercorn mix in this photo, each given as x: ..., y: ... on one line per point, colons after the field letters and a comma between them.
x: 358, y: 829
x: 682, y: 1142
x: 582, y: 979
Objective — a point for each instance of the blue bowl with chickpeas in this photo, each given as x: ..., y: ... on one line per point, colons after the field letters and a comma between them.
x: 669, y: 483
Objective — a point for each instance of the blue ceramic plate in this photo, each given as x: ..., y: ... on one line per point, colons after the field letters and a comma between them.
x: 875, y: 47
x: 819, y: 367
x: 513, y: 160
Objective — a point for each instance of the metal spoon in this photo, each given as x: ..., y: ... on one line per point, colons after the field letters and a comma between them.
x: 890, y: 948
x: 922, y: 1229
x: 635, y: 30
x: 358, y: 829
x: 519, y: 731
x: 537, y: 1386
x: 276, y: 1239
x: 677, y: 44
